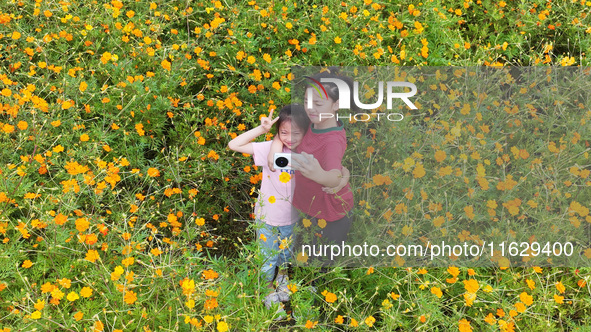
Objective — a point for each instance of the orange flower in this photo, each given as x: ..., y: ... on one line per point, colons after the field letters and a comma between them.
x: 210, y: 304
x: 209, y: 274
x: 130, y: 297
x: 329, y: 297
x: 437, y: 291
x: 165, y: 64
x: 526, y: 298
x: 440, y: 156
x: 310, y: 324
x: 560, y: 287
x: 92, y: 256
x: 152, y: 172
x: 464, y: 326
x: 471, y: 285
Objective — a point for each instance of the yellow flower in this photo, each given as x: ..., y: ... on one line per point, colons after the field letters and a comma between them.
x: 307, y: 223
x: 36, y: 315
x: 369, y: 321
x: 471, y: 285
x: 92, y: 255
x: 292, y: 288
x: 272, y: 199
x: 39, y: 305
x: 284, y: 177
x: 86, y: 292
x: 72, y: 296
x: 127, y: 261
x: 437, y: 291
x: 27, y: 264
x: 84, y: 138
x: 130, y: 297
x: 321, y: 223
x: 57, y: 293
x: 302, y: 257
x: 469, y: 212
x: 337, y: 40
x: 419, y: 171
x: 222, y: 326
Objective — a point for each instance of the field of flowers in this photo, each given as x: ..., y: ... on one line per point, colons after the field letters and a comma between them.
x: 121, y: 209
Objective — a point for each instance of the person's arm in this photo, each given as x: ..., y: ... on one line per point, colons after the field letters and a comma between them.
x: 311, y: 168
x: 276, y: 147
x: 344, y: 181
x: 242, y: 143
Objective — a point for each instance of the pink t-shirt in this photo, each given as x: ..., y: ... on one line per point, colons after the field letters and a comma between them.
x: 328, y: 147
x: 278, y: 213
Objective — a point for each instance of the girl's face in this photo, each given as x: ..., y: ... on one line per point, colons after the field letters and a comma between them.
x: 323, y: 111
x: 290, y: 134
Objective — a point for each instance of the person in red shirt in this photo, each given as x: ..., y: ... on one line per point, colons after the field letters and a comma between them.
x: 318, y: 164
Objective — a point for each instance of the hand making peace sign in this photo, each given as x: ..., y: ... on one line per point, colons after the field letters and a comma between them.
x: 267, y: 123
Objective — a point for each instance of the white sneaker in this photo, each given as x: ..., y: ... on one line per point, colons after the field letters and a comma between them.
x: 282, y: 290
x: 280, y: 313
x: 271, y: 299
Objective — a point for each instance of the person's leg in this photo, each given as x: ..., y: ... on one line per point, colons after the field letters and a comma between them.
x: 268, y: 241
x: 336, y: 231
x: 333, y: 233
x: 285, y: 244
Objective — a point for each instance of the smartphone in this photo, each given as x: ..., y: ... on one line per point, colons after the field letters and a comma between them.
x: 281, y: 160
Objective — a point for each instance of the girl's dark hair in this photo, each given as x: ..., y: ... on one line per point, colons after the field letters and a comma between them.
x: 331, y: 88
x: 294, y: 113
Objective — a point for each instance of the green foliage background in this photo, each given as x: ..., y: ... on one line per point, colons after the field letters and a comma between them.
x: 143, y: 98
